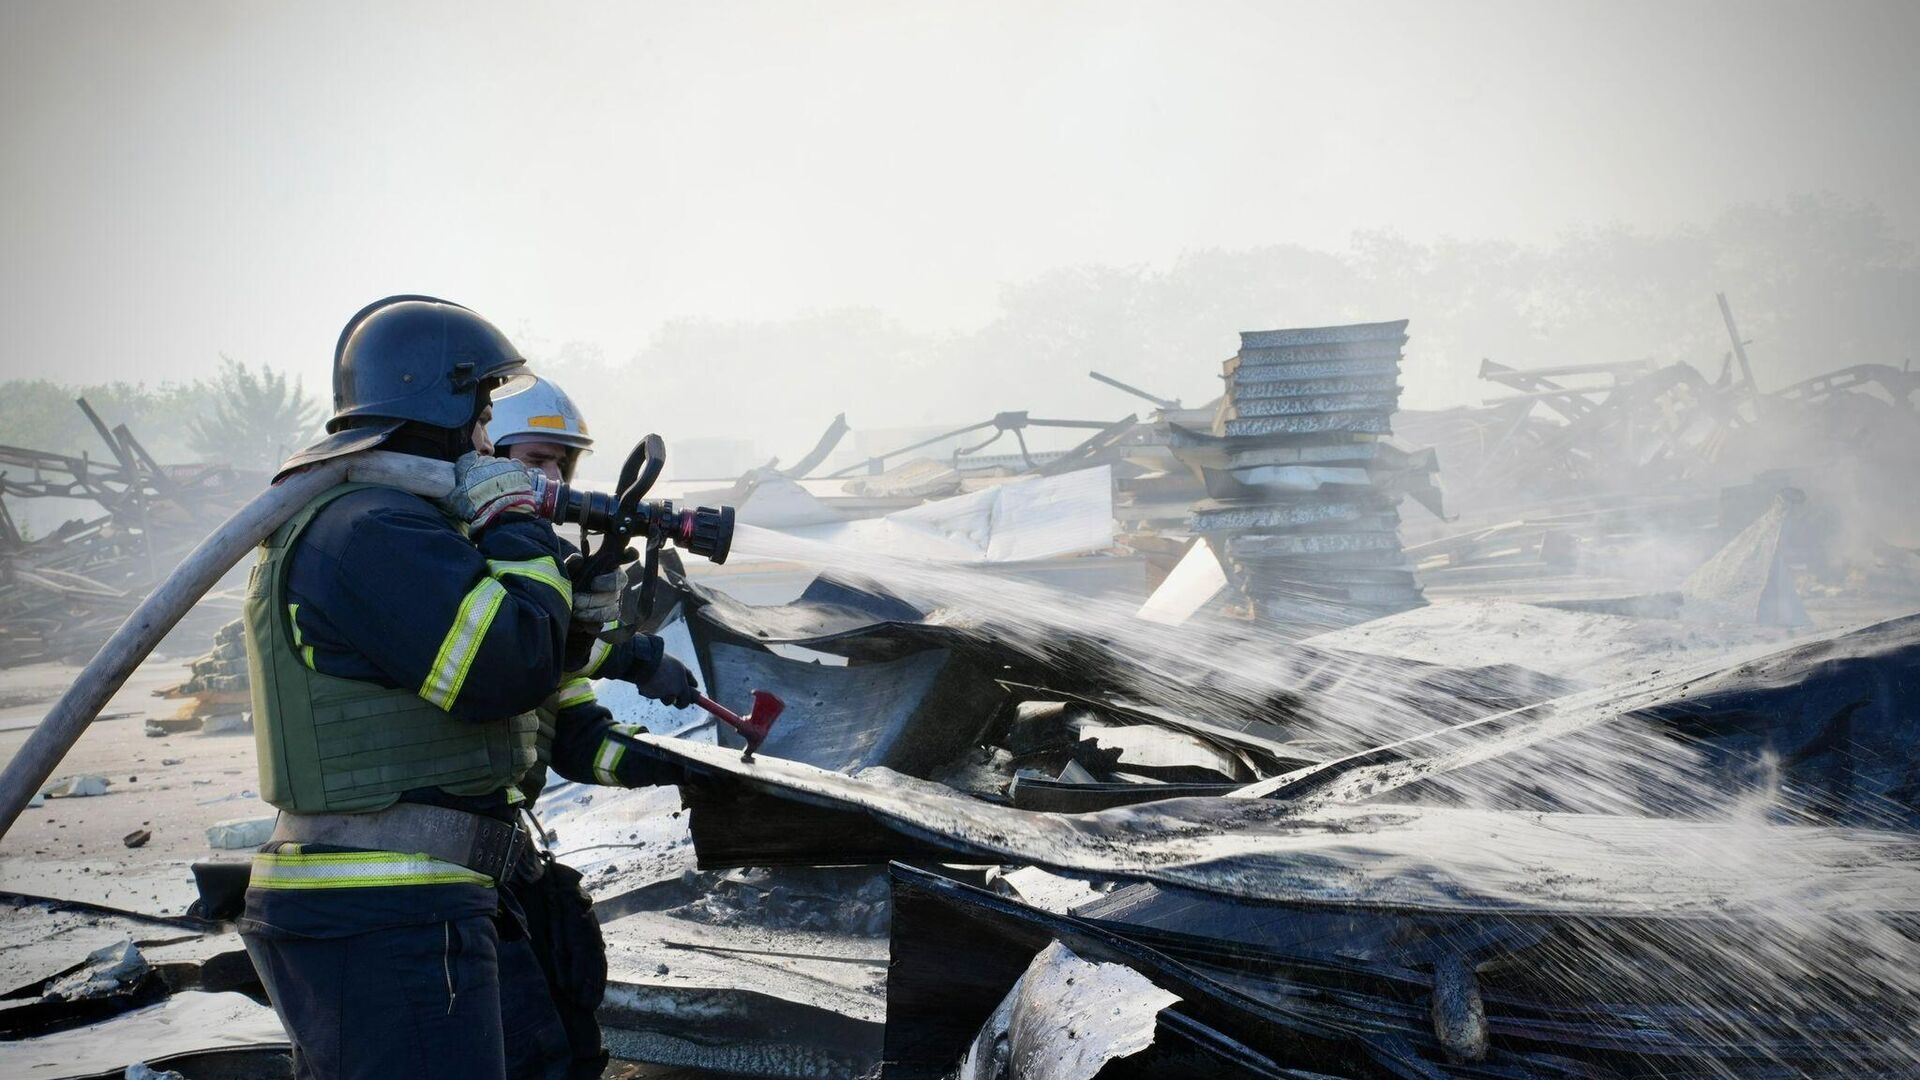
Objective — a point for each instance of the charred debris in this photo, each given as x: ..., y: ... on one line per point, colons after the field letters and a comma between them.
x: 62, y: 593
x: 1333, y: 836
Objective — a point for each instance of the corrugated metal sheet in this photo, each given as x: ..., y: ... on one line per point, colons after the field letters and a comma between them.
x: 1302, y: 493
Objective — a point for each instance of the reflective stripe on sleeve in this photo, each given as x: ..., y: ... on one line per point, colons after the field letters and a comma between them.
x: 597, y: 654
x: 462, y: 643
x: 575, y: 692
x: 306, y: 650
x: 542, y: 569
x: 292, y: 869
x: 606, y: 762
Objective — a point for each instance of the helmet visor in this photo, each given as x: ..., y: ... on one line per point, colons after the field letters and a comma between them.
x: 507, y: 386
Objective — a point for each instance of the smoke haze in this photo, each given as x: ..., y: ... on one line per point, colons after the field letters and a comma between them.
x: 741, y: 218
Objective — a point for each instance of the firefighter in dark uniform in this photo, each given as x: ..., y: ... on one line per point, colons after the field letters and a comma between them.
x: 400, y: 653
x: 539, y: 427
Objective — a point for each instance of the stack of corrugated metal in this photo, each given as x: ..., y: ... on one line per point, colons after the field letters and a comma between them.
x: 1304, y: 493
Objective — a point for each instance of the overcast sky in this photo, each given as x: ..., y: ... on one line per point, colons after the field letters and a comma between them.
x: 182, y: 179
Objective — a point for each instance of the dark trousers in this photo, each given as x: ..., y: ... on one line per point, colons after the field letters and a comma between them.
x: 446, y: 999
x: 572, y: 955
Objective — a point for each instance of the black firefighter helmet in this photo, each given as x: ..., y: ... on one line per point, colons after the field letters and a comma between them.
x: 411, y: 358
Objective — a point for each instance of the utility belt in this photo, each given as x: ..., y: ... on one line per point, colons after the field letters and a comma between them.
x: 482, y: 844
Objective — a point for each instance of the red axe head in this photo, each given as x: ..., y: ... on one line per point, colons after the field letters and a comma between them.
x: 759, y: 721
x: 752, y: 727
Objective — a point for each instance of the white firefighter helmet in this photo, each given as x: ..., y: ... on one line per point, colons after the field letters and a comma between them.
x: 540, y: 413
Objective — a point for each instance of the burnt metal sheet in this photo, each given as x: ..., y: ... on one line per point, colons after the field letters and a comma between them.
x: 1497, y: 755
x: 189, y: 1023
x: 958, y: 950
x: 1062, y: 797
x: 1358, y: 423
x: 1158, y: 752
x: 1314, y: 387
x: 1260, y: 741
x: 909, y: 715
x: 1565, y: 987
x: 1262, y: 365
x: 1290, y: 1002
x: 1319, y: 543
x: 829, y: 617
x: 829, y: 439
x: 770, y: 811
x: 740, y: 996
x: 1205, y: 448
x: 1394, y: 332
x: 1066, y: 1018
x: 1833, y: 726
x: 1312, y: 550
x: 1215, y: 516
x: 1282, y: 572
x: 1359, y: 453
x: 1381, y: 403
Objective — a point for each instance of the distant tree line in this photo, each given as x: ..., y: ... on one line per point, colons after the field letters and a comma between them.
x: 245, y: 416
x: 1817, y: 282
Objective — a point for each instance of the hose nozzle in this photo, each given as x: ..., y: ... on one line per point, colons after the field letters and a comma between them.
x: 705, y: 531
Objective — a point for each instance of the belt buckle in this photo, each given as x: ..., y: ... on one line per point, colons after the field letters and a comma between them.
x: 516, y: 847
x: 496, y: 847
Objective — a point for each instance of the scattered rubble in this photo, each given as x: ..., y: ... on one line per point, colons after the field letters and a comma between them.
x: 217, y: 695
x: 77, y: 787
x: 61, y: 594
x: 235, y: 834
x: 109, y: 970
x: 1373, y: 842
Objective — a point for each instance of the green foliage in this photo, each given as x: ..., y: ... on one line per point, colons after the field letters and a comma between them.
x: 245, y: 417
x: 40, y: 414
x: 256, y: 420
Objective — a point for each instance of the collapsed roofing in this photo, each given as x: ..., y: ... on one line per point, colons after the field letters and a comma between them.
x: 61, y: 594
x: 1182, y: 752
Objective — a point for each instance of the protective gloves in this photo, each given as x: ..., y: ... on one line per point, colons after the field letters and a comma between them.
x: 485, y: 487
x: 597, y: 602
x: 671, y: 683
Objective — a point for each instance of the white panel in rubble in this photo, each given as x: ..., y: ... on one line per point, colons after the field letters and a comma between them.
x: 1065, y: 1019
x: 1043, y: 517
x: 779, y: 503
x: 187, y: 1022
x: 1196, y: 579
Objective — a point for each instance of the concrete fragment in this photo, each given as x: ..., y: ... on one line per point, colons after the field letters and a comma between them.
x: 137, y: 838
x: 1065, y: 1019
x: 227, y: 724
x: 1748, y: 582
x: 235, y: 833
x: 1459, y: 1013
x: 107, y: 970
x: 75, y: 787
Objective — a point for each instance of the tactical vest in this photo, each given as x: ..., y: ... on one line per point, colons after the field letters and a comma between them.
x: 333, y: 745
x: 534, y: 780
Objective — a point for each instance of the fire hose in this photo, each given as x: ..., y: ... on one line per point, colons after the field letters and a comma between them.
x: 618, y: 519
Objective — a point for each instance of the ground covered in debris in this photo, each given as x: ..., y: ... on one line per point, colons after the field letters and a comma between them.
x: 1181, y: 752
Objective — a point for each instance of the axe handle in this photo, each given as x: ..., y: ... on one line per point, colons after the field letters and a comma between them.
x: 168, y: 603
x: 720, y: 712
